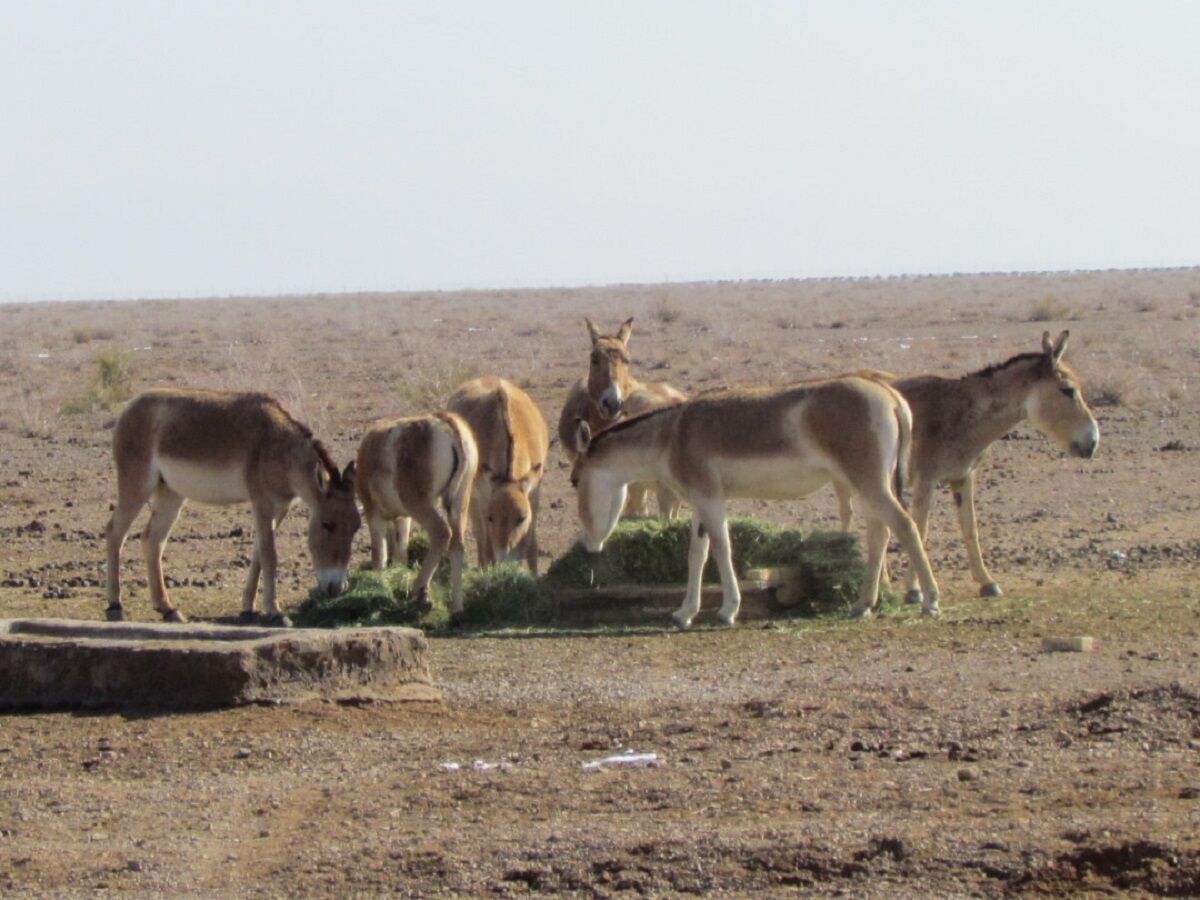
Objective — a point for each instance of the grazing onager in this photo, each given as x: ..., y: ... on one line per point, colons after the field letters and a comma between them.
x: 513, y: 439
x: 173, y: 445
x: 768, y: 444
x: 423, y: 468
x: 608, y: 393
x: 956, y: 419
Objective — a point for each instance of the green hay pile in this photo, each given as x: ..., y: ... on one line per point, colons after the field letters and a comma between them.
x: 655, y: 551
x: 374, y: 599
x: 504, y: 595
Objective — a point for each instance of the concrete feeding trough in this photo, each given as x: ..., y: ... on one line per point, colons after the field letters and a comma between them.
x: 766, y: 594
x: 48, y: 663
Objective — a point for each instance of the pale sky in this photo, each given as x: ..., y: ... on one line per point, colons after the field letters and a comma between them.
x: 174, y: 148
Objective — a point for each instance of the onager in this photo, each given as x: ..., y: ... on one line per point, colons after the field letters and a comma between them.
x: 172, y: 445
x: 955, y: 420
x: 420, y: 468
x: 513, y: 440
x: 605, y: 396
x: 767, y: 444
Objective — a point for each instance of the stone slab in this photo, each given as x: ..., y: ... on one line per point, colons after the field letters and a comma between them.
x: 55, y: 663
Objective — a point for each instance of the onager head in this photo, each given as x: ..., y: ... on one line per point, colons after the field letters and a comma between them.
x: 508, y: 511
x: 331, y: 527
x: 600, y: 495
x: 609, y: 381
x: 1056, y: 406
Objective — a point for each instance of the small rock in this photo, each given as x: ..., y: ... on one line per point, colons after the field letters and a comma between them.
x: 133, y: 866
x: 243, y: 753
x: 968, y: 775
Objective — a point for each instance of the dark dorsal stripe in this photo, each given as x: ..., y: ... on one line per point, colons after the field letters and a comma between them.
x: 1012, y: 361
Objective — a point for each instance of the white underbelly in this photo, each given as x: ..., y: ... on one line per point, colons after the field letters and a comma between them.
x: 771, y: 479
x: 203, y: 484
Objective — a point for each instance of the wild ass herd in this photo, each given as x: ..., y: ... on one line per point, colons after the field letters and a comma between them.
x: 867, y: 433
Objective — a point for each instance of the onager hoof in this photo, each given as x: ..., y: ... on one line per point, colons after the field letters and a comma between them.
x: 729, y: 620
x: 115, y: 614
x: 914, y: 597
x: 278, y: 620
x: 861, y: 612
x: 421, y: 600
x: 683, y: 623
x: 991, y: 589
x: 174, y: 616
x: 931, y: 610
x: 248, y: 617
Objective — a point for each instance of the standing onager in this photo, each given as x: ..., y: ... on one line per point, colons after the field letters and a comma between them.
x: 220, y: 448
x: 513, y: 439
x: 609, y: 392
x: 766, y: 444
x: 956, y: 419
x: 410, y: 468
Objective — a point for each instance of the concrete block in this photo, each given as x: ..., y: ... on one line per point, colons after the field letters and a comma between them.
x: 64, y: 663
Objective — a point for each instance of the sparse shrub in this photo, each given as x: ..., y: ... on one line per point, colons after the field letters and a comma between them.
x: 111, y: 384
x: 666, y: 312
x: 1048, y: 309
x: 82, y: 335
x: 1144, y: 305
x: 1107, y: 392
x: 429, y: 387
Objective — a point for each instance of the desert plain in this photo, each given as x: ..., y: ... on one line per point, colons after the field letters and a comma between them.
x: 894, y: 757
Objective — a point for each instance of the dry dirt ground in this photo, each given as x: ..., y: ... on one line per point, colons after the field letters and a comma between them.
x: 894, y: 757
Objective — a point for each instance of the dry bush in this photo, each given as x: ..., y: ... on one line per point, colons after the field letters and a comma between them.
x: 666, y: 311
x: 112, y: 383
x: 1048, y: 309
x: 429, y: 387
x: 1112, y: 390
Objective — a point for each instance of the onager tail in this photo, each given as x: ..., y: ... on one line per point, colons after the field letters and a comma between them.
x: 458, y: 488
x: 904, y: 421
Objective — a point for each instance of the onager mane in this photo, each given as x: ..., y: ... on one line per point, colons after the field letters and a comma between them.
x: 995, y: 368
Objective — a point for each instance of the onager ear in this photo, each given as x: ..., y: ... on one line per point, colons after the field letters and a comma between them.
x: 1060, y: 346
x: 625, y: 330
x: 583, y: 435
x: 348, y: 475
x: 593, y: 330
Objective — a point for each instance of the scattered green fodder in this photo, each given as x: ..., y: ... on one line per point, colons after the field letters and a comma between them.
x: 504, y: 595
x: 374, y: 599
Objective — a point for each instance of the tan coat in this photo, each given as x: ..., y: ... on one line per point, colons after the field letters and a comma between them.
x: 513, y: 441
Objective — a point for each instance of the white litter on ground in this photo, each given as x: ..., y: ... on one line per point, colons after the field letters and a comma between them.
x: 626, y: 760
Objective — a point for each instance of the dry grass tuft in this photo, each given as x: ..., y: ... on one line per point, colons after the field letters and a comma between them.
x: 1048, y: 309
x: 112, y: 383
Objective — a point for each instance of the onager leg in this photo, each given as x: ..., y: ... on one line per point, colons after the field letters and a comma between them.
x: 379, y: 529
x: 845, y: 508
x: 133, y: 491
x: 697, y: 557
x: 531, y: 539
x: 165, y: 505
x: 922, y: 502
x: 250, y: 591
x: 964, y: 501
x: 718, y: 529
x: 440, y: 535
x: 669, y: 504
x: 264, y: 549
x: 888, y: 510
x: 483, y: 555
x: 877, y: 538
x: 637, y: 502
x: 398, y: 532
x: 458, y: 506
